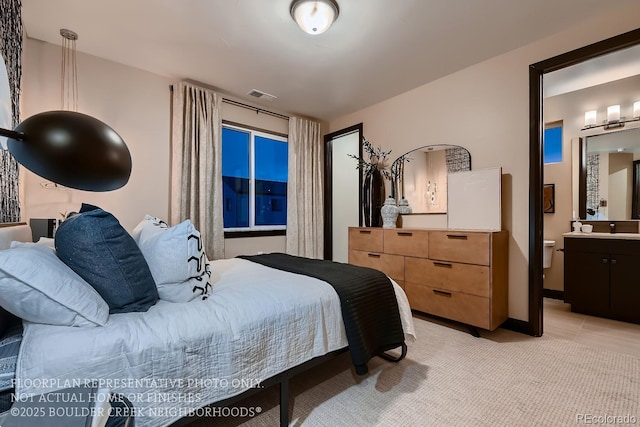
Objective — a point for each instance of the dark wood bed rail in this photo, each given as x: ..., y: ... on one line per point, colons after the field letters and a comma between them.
x: 11, y: 224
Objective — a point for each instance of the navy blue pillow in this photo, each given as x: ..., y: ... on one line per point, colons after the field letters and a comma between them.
x: 94, y: 245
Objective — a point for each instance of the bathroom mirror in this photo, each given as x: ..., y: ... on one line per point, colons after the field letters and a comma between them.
x: 422, y: 176
x: 610, y: 176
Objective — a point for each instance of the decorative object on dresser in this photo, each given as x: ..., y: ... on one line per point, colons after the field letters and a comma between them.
x: 403, y: 207
x: 475, y: 200
x: 373, y: 171
x: 456, y: 274
x: 372, y: 195
x: 389, y: 212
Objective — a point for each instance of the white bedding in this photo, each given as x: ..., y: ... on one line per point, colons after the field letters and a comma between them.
x: 187, y: 355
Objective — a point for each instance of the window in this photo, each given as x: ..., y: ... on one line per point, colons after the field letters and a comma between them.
x: 254, y: 177
x: 552, y: 143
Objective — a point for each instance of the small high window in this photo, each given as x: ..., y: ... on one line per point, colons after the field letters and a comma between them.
x: 552, y: 143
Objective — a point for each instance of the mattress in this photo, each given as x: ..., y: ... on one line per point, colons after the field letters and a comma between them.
x: 178, y: 357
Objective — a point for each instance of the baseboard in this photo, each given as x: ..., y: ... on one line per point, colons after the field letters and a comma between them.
x: 517, y: 326
x: 551, y: 293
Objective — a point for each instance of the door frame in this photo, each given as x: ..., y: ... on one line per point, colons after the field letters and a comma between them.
x: 536, y: 221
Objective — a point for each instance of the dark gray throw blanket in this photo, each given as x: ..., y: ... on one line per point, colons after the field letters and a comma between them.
x: 369, y: 306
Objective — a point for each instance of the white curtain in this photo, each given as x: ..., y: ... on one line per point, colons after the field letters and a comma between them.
x: 196, y: 164
x: 305, y: 192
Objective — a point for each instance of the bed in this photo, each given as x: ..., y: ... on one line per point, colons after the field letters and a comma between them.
x: 258, y: 325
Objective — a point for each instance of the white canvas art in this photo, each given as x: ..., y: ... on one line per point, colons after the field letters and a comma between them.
x: 475, y: 200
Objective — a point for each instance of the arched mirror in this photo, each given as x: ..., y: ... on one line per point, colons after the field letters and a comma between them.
x: 422, y: 176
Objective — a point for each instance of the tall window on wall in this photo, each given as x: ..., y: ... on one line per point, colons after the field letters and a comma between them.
x: 254, y: 176
x: 552, y: 143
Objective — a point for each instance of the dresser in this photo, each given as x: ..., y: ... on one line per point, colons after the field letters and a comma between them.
x: 456, y: 274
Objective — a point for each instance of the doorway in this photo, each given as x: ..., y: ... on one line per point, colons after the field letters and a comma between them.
x: 536, y: 221
x: 342, y: 194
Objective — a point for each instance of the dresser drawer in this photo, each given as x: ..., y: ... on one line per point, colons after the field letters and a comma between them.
x: 366, y: 239
x: 470, y: 309
x: 459, y: 246
x: 467, y: 278
x: 391, y: 265
x: 406, y: 242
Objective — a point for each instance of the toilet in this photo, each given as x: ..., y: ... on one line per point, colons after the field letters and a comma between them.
x: 547, y: 253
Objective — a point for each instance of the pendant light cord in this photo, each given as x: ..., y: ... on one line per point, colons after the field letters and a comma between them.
x: 69, y: 71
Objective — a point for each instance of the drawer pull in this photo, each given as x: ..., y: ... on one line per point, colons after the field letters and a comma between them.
x: 457, y: 236
x: 365, y: 231
x: 405, y: 233
x: 442, y: 264
x: 442, y: 293
x: 373, y: 255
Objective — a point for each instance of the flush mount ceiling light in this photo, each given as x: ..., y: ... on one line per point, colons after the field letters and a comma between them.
x: 314, y: 17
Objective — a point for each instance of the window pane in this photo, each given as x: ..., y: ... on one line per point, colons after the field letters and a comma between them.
x: 235, y: 177
x: 271, y: 159
x: 235, y: 153
x: 552, y: 145
x: 271, y: 181
x: 271, y: 203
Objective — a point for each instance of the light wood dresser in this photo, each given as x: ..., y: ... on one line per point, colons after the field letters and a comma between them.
x: 456, y: 274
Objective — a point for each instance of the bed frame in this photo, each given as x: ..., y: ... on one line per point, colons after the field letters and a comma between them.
x: 282, y: 380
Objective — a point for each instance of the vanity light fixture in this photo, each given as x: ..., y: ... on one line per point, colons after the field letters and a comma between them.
x: 614, y: 120
x: 314, y: 17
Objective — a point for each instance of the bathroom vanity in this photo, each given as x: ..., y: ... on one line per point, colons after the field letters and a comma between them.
x: 601, y: 274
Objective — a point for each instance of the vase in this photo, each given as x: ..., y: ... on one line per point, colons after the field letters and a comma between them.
x: 372, y: 197
x: 389, y: 213
x: 403, y: 207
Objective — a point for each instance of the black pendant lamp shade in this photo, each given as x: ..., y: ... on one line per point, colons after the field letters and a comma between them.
x: 71, y: 149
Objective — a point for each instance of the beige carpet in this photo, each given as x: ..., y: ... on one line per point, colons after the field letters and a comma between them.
x: 450, y: 378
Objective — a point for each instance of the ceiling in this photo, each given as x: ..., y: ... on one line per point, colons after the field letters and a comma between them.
x: 375, y: 50
x: 603, y: 69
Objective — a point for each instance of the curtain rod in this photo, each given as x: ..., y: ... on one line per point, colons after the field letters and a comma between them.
x: 256, y: 109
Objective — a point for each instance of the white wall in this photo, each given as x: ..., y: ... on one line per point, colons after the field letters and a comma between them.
x: 485, y: 108
x: 133, y: 102
x: 136, y: 104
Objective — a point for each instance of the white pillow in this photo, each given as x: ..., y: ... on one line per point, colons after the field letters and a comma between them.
x: 37, y: 286
x: 176, y: 259
x: 47, y: 241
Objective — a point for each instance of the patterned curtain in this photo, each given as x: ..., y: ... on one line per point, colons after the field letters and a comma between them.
x: 305, y: 190
x: 196, y: 164
x: 11, y: 48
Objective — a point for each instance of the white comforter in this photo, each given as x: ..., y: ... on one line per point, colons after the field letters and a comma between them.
x: 178, y: 357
